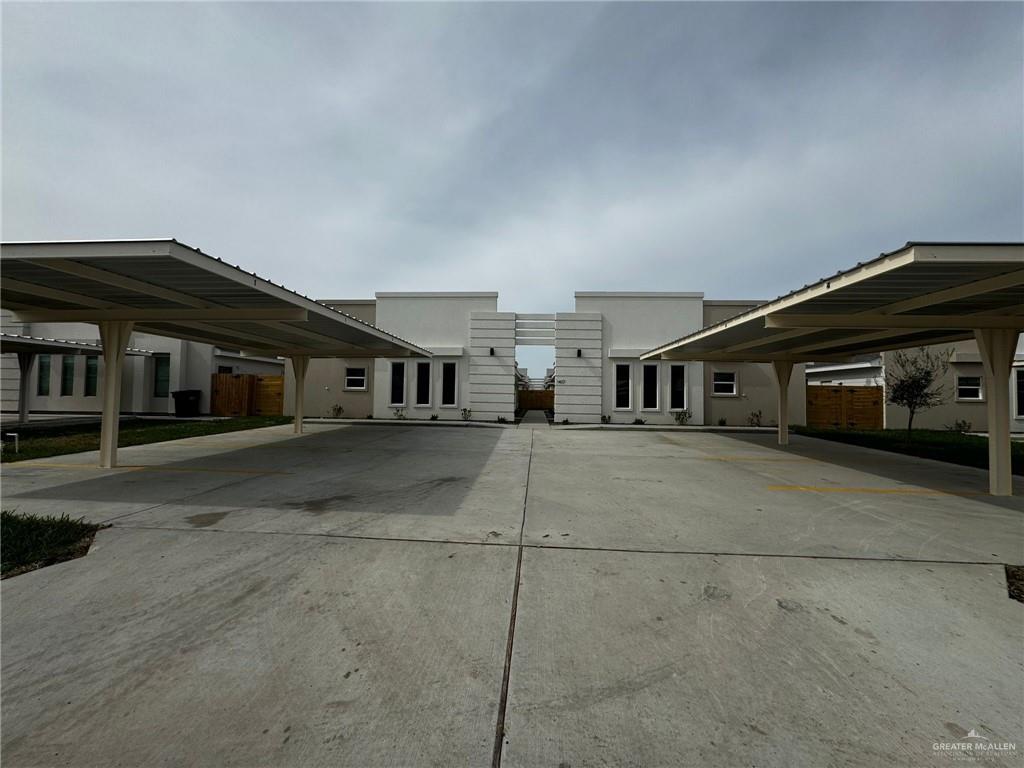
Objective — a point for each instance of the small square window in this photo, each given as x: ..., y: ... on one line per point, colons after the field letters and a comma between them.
x: 355, y: 378
x: 968, y: 388
x: 723, y: 383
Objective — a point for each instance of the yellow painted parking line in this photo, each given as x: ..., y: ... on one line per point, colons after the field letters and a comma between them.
x: 906, y: 491
x: 756, y: 458
x: 145, y: 468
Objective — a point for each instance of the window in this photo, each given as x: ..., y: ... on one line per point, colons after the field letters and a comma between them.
x: 1020, y: 392
x: 677, y: 388
x: 355, y: 378
x: 723, y: 383
x: 397, y: 384
x: 43, y: 382
x: 968, y: 388
x: 623, y: 386
x: 161, y: 375
x: 649, y: 398
x: 422, y: 383
x: 225, y: 369
x: 449, y: 383
x: 92, y: 372
x: 67, y: 375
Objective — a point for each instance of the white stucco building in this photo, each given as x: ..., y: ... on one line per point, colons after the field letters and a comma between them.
x: 597, y: 368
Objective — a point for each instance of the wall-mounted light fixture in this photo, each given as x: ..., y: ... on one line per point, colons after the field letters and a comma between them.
x: 579, y: 353
x: 492, y: 351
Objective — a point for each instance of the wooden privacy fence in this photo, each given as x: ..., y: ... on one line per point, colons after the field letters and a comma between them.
x: 246, y: 394
x: 845, y: 407
x: 535, y: 399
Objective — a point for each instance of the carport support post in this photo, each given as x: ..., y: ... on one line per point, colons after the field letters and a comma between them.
x: 783, y: 372
x: 25, y: 360
x: 299, y: 365
x: 114, y: 335
x: 997, y: 347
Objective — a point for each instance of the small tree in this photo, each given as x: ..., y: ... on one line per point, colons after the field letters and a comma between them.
x: 913, y: 380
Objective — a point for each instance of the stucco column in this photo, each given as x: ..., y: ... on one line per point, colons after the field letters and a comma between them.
x: 997, y: 347
x: 299, y: 365
x: 114, y: 335
x: 25, y: 360
x: 783, y: 372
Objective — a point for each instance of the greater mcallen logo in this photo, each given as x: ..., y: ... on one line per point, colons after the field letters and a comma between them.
x: 974, y: 746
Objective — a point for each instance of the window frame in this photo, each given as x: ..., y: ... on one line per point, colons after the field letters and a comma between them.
x: 159, y: 360
x: 43, y: 382
x: 455, y: 390
x: 92, y: 375
x: 615, y: 387
x: 657, y: 388
x: 391, y: 384
x: 67, y: 363
x: 430, y: 385
x: 735, y: 384
x: 1018, y: 388
x: 980, y: 387
x: 345, y: 379
x: 686, y: 394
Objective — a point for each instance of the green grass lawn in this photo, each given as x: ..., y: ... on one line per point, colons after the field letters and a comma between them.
x: 28, y: 542
x: 942, y: 445
x: 40, y: 441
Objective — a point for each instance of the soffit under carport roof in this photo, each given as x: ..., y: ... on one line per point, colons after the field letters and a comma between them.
x: 170, y: 289
x: 923, y: 293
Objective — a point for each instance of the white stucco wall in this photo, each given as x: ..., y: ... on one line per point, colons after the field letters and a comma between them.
x: 632, y: 324
x: 439, y: 322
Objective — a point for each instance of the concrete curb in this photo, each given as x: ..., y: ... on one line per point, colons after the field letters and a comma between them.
x: 410, y: 423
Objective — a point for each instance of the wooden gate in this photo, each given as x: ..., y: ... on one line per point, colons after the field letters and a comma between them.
x: 246, y: 394
x: 535, y: 399
x: 232, y: 394
x: 844, y: 407
x: 269, y: 400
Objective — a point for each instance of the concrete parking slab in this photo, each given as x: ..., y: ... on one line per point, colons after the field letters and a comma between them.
x: 348, y: 596
x: 198, y: 648
x: 706, y: 492
x: 662, y: 659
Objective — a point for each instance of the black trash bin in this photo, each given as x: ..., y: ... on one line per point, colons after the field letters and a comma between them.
x: 186, y: 402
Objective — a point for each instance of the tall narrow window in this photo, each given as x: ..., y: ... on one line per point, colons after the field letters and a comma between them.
x: 449, y: 383
x: 43, y: 382
x: 92, y: 373
x: 1020, y: 392
x: 623, y: 386
x: 422, y: 383
x: 649, y: 401
x: 161, y: 375
x: 677, y: 388
x: 67, y: 375
x: 397, y: 384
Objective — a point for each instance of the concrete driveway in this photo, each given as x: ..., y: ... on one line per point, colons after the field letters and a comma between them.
x: 426, y: 595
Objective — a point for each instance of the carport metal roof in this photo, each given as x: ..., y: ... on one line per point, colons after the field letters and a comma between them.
x: 921, y: 294
x: 170, y: 289
x: 14, y: 343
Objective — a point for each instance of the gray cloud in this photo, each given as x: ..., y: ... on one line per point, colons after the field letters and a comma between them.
x: 532, y: 149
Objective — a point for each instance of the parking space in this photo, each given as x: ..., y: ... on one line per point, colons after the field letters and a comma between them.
x: 345, y: 598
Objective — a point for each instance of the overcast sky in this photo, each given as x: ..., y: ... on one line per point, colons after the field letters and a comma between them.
x: 342, y: 149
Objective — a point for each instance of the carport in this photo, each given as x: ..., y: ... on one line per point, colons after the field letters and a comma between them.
x: 166, y: 288
x: 28, y: 347
x: 924, y: 293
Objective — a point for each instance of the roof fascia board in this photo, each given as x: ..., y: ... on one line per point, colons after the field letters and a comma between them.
x: 866, y: 321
